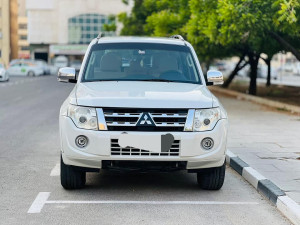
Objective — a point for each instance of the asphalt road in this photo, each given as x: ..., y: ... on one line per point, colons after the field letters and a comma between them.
x: 29, y: 156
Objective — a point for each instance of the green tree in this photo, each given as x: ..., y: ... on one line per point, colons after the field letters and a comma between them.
x: 223, y: 28
x: 287, y: 21
x: 134, y: 23
x: 111, y: 25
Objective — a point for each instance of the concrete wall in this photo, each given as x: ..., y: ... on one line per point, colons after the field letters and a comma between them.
x: 48, y: 19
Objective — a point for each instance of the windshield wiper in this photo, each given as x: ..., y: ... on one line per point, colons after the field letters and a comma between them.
x: 153, y: 80
x: 101, y: 80
x: 158, y: 80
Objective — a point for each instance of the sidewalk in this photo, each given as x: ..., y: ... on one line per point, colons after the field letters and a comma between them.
x: 268, y: 141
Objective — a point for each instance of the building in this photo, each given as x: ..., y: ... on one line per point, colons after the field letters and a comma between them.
x: 65, y: 27
x: 4, y: 32
x: 13, y: 31
x: 23, y: 44
x: 13, y: 22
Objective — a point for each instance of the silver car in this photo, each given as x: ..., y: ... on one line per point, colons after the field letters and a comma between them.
x: 3, y: 73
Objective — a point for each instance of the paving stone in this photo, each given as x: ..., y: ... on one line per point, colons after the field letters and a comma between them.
x: 267, y: 140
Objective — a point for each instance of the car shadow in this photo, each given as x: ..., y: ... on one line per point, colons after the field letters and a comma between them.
x: 135, y: 182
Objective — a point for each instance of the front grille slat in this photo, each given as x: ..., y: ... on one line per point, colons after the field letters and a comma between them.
x: 126, y: 119
x: 116, y: 150
x: 122, y: 114
x: 121, y: 124
x: 170, y: 124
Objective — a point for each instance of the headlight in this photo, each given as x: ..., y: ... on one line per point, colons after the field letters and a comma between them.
x: 83, y: 117
x: 206, y: 119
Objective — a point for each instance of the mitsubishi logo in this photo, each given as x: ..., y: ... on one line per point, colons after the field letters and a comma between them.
x: 145, y: 120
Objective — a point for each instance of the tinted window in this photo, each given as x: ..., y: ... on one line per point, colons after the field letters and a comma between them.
x: 141, y: 61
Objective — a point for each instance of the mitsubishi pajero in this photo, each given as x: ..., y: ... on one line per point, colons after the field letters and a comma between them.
x: 142, y: 104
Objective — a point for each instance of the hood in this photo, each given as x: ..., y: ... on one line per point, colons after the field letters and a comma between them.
x: 137, y: 94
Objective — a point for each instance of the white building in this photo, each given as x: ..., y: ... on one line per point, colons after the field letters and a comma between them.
x: 65, y: 27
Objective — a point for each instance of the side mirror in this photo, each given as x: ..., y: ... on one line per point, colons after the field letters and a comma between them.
x: 214, y: 77
x: 67, y: 74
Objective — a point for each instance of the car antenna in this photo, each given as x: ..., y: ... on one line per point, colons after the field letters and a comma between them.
x: 177, y: 36
x: 100, y: 35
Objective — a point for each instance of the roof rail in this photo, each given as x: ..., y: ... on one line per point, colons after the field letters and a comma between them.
x: 177, y: 36
x: 100, y: 35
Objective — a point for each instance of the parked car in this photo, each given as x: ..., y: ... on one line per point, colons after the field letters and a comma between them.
x: 45, y: 67
x: 157, y: 117
x: 296, y: 69
x: 76, y: 64
x: 53, y: 69
x: 25, y: 68
x: 221, y: 66
x: 3, y: 73
x: 61, y: 61
x: 262, y: 71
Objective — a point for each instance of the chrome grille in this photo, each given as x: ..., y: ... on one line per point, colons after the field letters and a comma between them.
x: 117, y: 150
x: 125, y: 119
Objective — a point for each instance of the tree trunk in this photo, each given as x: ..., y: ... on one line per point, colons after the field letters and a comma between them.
x: 253, y: 60
x: 207, y: 65
x: 268, y: 62
x: 287, y: 45
x: 234, y: 72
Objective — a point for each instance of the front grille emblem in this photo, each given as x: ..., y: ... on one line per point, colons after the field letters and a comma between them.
x: 145, y: 120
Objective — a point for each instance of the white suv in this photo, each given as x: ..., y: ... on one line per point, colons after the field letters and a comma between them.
x: 141, y: 104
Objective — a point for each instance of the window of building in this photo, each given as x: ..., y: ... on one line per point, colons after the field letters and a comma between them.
x: 22, y: 26
x: 23, y: 37
x: 83, y: 28
x: 25, y: 48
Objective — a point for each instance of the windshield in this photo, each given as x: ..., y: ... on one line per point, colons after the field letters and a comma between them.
x: 141, y: 62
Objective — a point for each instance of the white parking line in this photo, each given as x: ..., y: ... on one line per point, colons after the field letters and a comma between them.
x: 154, y: 202
x: 42, y: 198
x: 39, y: 202
x: 55, y: 171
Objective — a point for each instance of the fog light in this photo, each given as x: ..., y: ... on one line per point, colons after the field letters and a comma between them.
x: 206, y: 122
x: 81, y: 141
x: 207, y: 143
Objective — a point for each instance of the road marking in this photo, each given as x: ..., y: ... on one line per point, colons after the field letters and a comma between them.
x: 42, y: 199
x: 154, y: 202
x: 55, y: 171
x: 24, y: 80
x: 39, y: 202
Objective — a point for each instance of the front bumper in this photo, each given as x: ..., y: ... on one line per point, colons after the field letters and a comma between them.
x: 99, y: 146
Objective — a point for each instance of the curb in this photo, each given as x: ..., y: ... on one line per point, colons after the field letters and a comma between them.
x: 258, y: 100
x: 265, y: 187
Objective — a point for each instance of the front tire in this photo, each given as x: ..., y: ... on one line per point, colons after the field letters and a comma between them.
x: 71, y: 177
x: 211, y: 178
x: 31, y: 74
